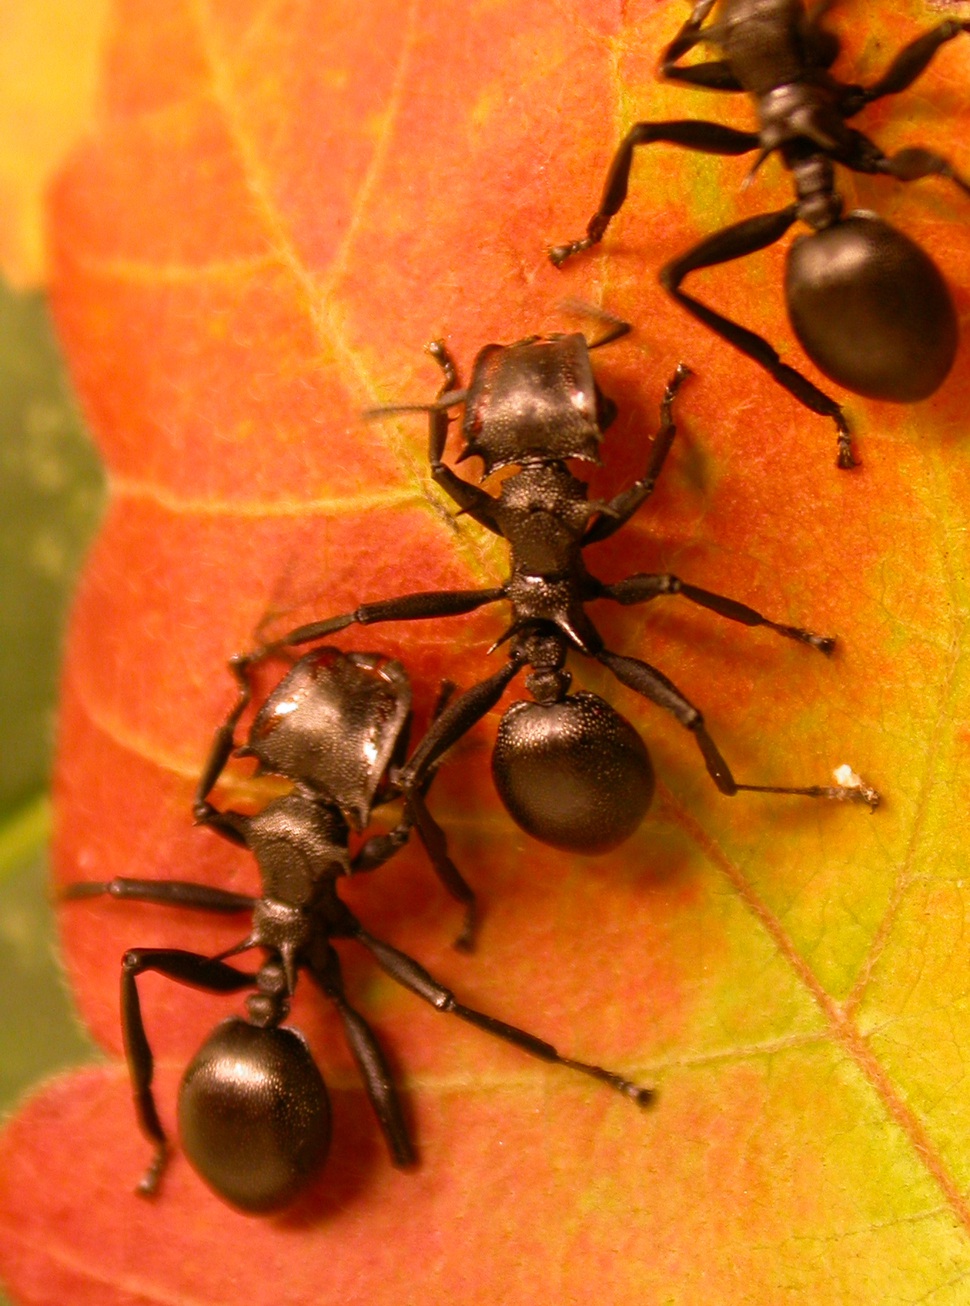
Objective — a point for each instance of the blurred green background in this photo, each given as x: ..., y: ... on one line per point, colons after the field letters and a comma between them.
x: 51, y: 494
x: 51, y: 497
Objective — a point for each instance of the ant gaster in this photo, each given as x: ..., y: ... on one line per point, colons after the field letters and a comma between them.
x: 253, y: 1109
x: 868, y: 305
x: 570, y: 770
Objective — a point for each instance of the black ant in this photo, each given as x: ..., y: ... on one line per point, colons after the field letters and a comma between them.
x: 253, y: 1109
x: 868, y: 305
x: 570, y: 770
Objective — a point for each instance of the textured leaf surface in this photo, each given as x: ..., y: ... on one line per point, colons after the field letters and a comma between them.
x: 282, y: 203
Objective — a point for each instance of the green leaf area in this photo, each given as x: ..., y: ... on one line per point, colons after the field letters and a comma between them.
x: 51, y: 491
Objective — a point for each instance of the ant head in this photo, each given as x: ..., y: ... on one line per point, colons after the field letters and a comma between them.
x: 535, y: 401
x: 333, y: 723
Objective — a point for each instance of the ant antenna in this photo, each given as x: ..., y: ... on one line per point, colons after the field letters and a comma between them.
x: 450, y: 399
x: 616, y: 325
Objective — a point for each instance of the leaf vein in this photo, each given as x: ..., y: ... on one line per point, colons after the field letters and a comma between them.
x: 310, y: 299
x: 124, y: 487
x: 845, y: 1032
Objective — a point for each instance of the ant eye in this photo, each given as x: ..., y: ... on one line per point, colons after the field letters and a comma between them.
x: 254, y: 1115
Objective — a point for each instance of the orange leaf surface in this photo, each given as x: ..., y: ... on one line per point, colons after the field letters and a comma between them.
x: 281, y: 204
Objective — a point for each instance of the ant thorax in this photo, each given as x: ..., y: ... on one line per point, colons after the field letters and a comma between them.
x: 803, y: 110
x: 543, y: 512
x: 556, y: 603
x: 299, y: 842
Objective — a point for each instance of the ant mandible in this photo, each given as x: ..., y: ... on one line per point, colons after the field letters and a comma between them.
x: 570, y: 769
x: 868, y: 305
x: 253, y: 1109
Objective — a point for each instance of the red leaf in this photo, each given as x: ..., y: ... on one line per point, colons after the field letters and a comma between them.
x: 282, y: 204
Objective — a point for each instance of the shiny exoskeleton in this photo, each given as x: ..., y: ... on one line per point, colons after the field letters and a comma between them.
x: 571, y: 771
x: 253, y: 1109
x: 869, y: 307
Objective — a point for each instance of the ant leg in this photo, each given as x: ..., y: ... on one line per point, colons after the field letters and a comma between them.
x: 724, y: 246
x: 644, y: 587
x: 471, y: 500
x: 438, y: 419
x: 380, y: 848
x: 376, y: 1075
x: 909, y: 63
x: 402, y: 743
x: 224, y: 741
x: 409, y: 973
x: 229, y: 825
x: 652, y: 684
x: 454, y: 722
x: 173, y: 893
x: 912, y: 164
x: 409, y: 607
x: 712, y: 76
x: 620, y: 509
x: 690, y: 32
x: 691, y: 134
x: 436, y: 846
x: 186, y: 968
x: 371, y: 1062
x: 915, y: 163
x: 446, y: 691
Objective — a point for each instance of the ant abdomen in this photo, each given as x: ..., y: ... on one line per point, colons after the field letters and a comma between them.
x: 871, y: 309
x: 254, y: 1115
x: 574, y: 773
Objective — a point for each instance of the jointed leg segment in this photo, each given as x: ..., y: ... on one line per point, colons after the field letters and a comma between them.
x: 643, y: 587
x: 413, y: 976
x: 652, y: 684
x: 191, y: 968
